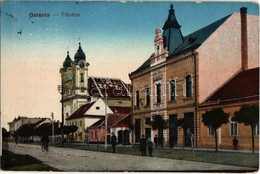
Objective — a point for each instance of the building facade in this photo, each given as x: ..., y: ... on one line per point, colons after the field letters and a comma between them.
x: 184, y: 70
x: 230, y: 97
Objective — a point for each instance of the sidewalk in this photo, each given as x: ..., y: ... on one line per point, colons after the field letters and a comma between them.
x: 81, y: 160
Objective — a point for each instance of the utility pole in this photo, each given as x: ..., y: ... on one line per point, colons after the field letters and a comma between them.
x: 52, y: 121
x: 106, y: 120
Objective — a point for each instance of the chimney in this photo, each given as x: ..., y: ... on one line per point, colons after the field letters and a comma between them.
x: 244, y: 46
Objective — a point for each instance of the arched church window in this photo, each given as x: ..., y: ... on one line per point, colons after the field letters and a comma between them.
x: 81, y: 77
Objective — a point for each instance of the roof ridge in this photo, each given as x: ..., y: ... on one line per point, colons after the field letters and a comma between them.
x: 115, y: 78
x: 227, y: 16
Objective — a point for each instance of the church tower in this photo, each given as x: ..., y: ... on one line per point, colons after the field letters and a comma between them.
x: 172, y: 35
x: 80, y: 72
x: 74, y: 79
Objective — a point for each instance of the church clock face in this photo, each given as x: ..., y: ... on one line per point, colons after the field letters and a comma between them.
x: 82, y: 65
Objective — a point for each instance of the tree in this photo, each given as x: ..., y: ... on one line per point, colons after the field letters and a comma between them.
x: 158, y: 123
x: 5, y: 134
x: 69, y: 129
x: 184, y: 124
x: 25, y: 131
x: 215, y: 118
x: 249, y: 115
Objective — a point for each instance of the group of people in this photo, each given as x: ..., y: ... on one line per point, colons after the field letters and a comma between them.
x: 146, y: 143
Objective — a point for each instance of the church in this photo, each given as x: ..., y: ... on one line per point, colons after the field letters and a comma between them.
x: 185, y: 71
x: 87, y: 99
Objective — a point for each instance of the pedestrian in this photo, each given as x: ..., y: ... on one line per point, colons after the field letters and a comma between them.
x: 113, y: 142
x: 150, y: 146
x: 235, y: 143
x: 45, y: 142
x: 155, y: 140
x: 16, y: 139
x: 143, y: 145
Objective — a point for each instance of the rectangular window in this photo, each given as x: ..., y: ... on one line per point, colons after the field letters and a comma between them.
x: 158, y: 93
x: 80, y: 123
x: 147, y: 97
x: 233, y: 127
x: 257, y: 129
x: 211, y: 131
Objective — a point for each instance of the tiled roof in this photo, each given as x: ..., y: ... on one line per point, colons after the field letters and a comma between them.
x: 145, y: 65
x: 191, y: 41
x: 115, y: 88
x: 113, y: 120
x: 125, y: 122
x: 80, y: 112
x: 120, y: 110
x: 194, y: 40
x: 244, y: 84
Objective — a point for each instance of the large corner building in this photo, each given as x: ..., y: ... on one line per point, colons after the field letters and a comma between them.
x: 184, y: 71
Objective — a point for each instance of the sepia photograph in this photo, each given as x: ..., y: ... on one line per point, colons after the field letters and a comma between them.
x: 129, y: 86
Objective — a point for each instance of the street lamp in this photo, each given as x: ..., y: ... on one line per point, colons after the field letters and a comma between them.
x: 61, y: 91
x: 52, y: 121
x: 106, y: 119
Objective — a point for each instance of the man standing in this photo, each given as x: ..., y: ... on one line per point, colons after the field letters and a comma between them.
x: 235, y: 143
x: 143, y: 145
x: 113, y: 142
x: 150, y: 146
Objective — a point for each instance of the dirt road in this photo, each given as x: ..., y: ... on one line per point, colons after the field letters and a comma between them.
x: 81, y: 160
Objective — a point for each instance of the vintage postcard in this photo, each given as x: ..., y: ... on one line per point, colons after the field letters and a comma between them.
x: 137, y: 86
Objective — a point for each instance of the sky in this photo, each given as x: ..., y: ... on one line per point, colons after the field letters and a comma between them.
x: 116, y: 38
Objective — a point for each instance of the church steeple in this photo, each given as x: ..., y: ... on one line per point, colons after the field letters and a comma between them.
x: 67, y: 62
x: 80, y: 55
x: 171, y: 31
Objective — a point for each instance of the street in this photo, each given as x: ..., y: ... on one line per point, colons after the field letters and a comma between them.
x: 81, y: 160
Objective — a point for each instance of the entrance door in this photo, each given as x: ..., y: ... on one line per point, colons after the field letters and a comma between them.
x: 173, y: 130
x: 147, y: 132
x: 126, y: 137
x: 189, y: 125
x: 120, y: 137
x: 137, y: 130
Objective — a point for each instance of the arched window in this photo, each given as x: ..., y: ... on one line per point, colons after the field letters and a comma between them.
x: 158, y: 93
x: 172, y: 90
x: 81, y: 77
x: 137, y: 97
x: 147, y: 90
x: 188, y: 86
x: 158, y: 49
